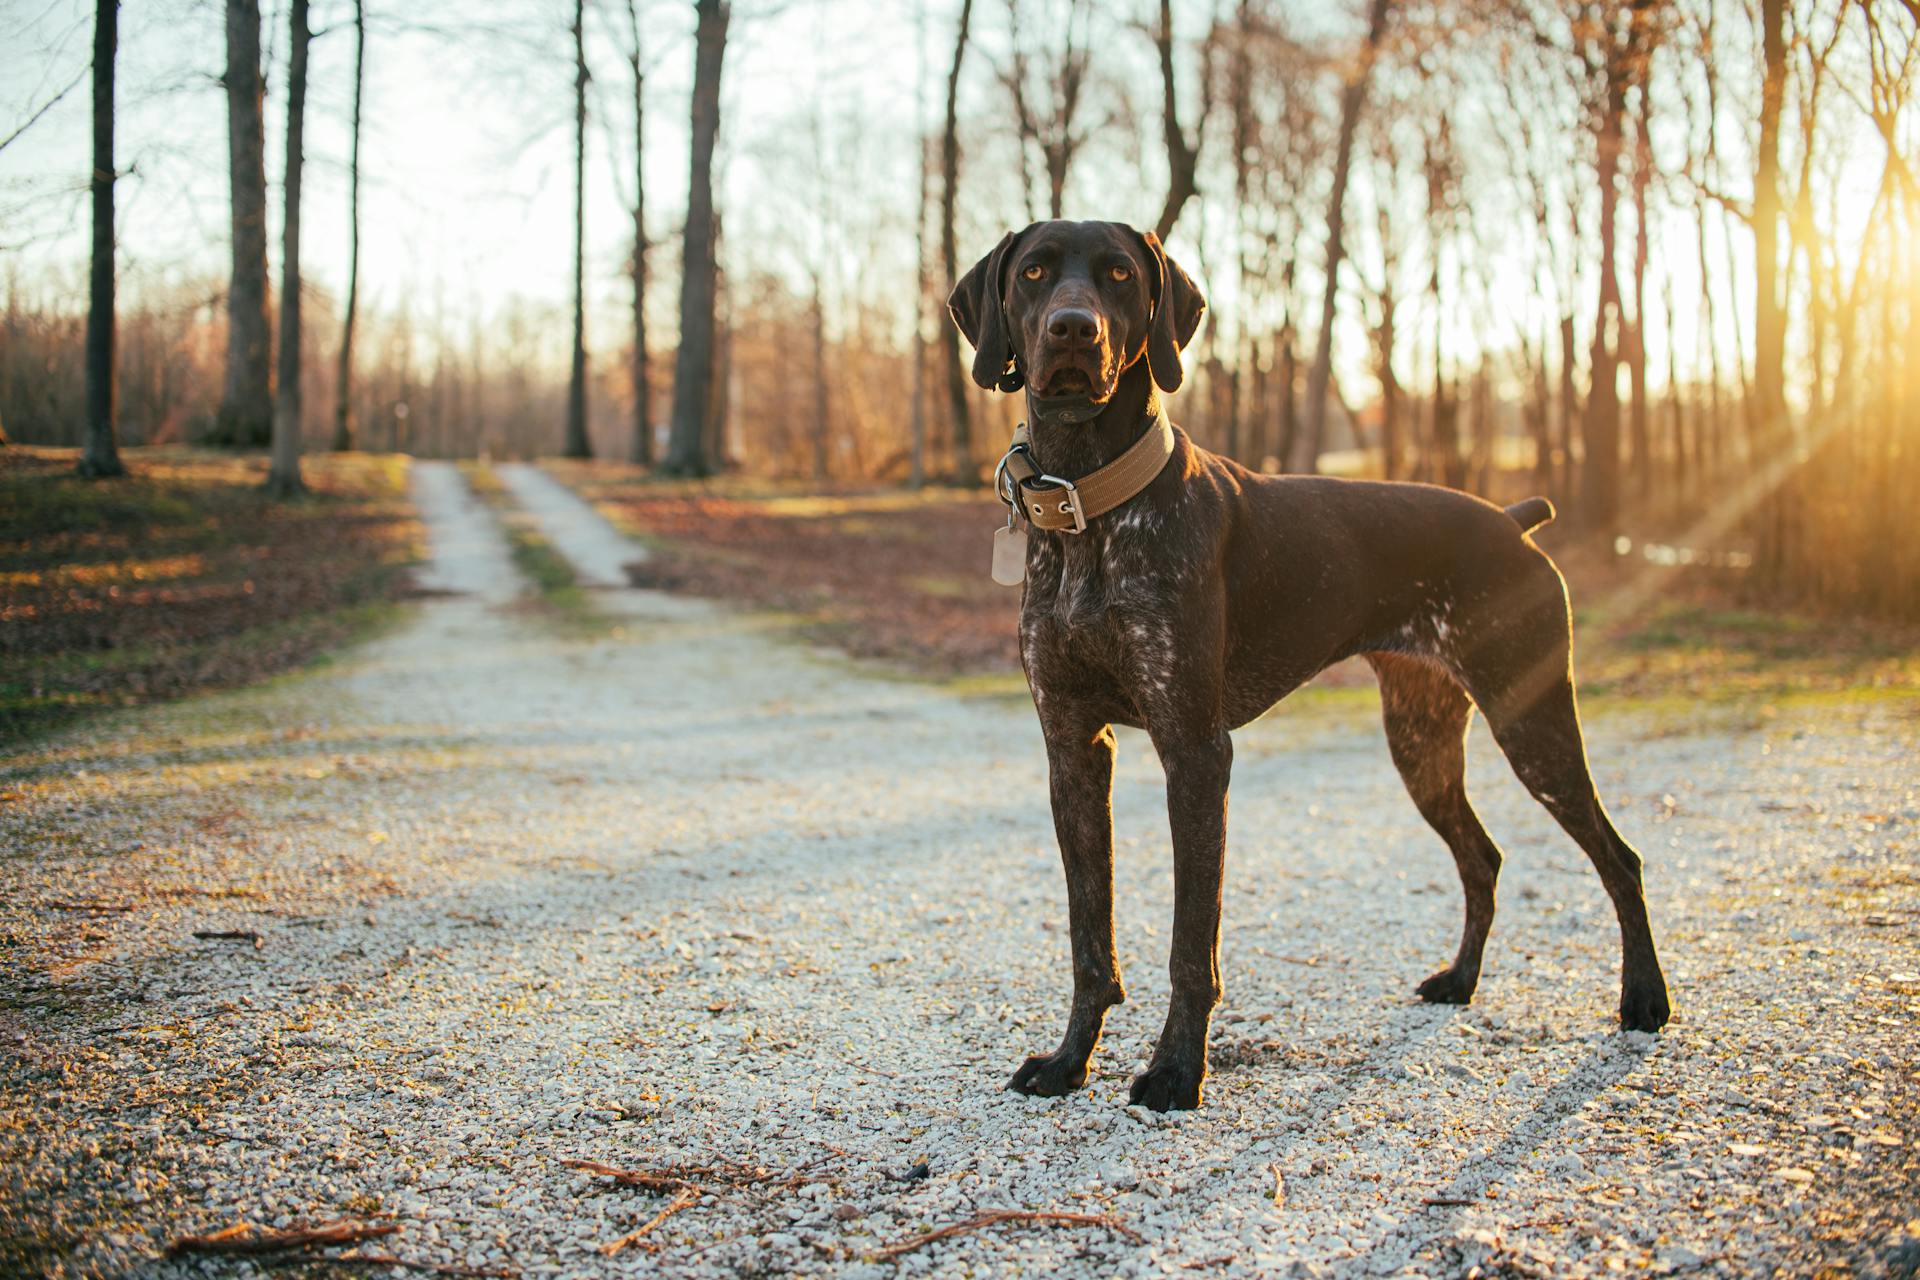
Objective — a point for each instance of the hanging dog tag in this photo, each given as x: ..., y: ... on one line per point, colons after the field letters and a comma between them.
x: 1009, y: 555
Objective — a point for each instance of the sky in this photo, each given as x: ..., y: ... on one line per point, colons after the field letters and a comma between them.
x: 467, y: 194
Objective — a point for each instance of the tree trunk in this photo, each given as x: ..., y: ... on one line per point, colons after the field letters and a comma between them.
x: 642, y: 451
x: 962, y: 437
x: 101, y: 457
x: 1676, y: 414
x: 1600, y: 476
x: 1182, y: 157
x: 1352, y: 99
x: 719, y: 402
x: 246, y: 404
x: 1769, y: 320
x: 820, y: 429
x: 283, y: 475
x: 1389, y: 388
x: 917, y: 442
x: 1709, y: 437
x: 577, y: 445
x: 1448, y: 466
x: 693, y: 374
x: 1540, y: 421
x: 1289, y: 373
x: 1600, y: 487
x: 1640, y: 425
x: 1569, y: 408
x: 343, y: 384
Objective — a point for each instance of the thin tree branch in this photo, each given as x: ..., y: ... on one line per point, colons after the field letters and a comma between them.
x: 47, y: 106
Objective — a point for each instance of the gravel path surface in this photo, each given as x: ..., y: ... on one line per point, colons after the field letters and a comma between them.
x: 684, y: 892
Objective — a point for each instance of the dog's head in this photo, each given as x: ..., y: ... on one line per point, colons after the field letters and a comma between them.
x: 1066, y: 307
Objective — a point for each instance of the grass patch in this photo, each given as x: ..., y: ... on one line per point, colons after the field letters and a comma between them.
x: 889, y: 574
x: 558, y: 596
x: 183, y: 576
x: 1694, y: 650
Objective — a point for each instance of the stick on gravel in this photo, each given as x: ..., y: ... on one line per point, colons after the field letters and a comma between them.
x: 437, y: 1268
x: 993, y: 1216
x: 679, y: 1202
x: 696, y: 1177
x: 245, y: 1237
x: 673, y: 1180
x: 231, y: 935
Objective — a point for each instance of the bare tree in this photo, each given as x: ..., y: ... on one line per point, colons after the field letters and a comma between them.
x: 577, y: 445
x: 1616, y: 45
x: 1441, y: 171
x: 1769, y: 315
x: 1352, y: 99
x: 343, y: 383
x: 1384, y: 300
x: 1183, y: 156
x: 1634, y: 339
x: 688, y: 451
x: 1050, y: 127
x: 246, y: 405
x: 962, y: 440
x: 917, y: 442
x: 101, y: 457
x: 1282, y: 139
x: 642, y: 450
x: 283, y: 474
x: 1527, y: 163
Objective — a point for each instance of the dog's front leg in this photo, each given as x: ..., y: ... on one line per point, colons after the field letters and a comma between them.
x: 1198, y: 768
x: 1080, y: 768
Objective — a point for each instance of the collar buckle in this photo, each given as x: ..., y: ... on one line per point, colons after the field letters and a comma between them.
x: 1070, y: 505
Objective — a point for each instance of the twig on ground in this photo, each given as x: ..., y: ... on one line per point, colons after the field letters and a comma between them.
x: 88, y: 906
x: 684, y: 1200
x: 674, y: 1179
x: 1447, y: 1202
x: 689, y: 1182
x: 245, y: 1237
x: 993, y: 1216
x: 232, y: 935
x: 411, y: 1264
x: 698, y: 1177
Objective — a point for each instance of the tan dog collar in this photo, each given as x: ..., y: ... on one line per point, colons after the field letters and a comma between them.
x: 1065, y: 506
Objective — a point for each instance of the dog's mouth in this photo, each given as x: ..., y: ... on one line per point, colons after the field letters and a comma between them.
x: 1072, y: 377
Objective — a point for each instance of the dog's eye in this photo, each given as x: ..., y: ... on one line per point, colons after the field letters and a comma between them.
x: 1034, y: 272
x: 1122, y: 274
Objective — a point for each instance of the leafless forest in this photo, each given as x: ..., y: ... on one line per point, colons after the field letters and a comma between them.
x: 1655, y: 260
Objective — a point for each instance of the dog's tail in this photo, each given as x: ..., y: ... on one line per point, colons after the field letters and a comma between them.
x: 1531, y: 513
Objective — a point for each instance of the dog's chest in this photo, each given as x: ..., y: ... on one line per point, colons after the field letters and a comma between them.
x: 1102, y: 596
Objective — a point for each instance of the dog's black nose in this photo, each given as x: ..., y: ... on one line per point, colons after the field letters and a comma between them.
x: 1073, y: 324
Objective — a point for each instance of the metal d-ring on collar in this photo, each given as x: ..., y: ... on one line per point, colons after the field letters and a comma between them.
x: 1011, y: 491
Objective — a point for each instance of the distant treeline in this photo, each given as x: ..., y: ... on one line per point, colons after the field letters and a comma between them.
x: 1654, y: 259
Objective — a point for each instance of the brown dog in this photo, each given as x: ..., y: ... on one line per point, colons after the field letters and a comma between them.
x: 1214, y: 592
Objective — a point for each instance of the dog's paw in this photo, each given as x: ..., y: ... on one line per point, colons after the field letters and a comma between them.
x: 1644, y: 1007
x: 1049, y: 1075
x: 1167, y: 1086
x: 1448, y: 987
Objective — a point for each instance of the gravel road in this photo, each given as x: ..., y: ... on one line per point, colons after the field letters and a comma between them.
x: 678, y: 890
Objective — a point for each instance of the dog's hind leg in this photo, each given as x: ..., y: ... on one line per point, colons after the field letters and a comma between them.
x: 1530, y: 707
x: 1427, y: 715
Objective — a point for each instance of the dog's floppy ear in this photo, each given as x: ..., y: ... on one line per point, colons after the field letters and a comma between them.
x: 977, y: 306
x: 1177, y: 308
